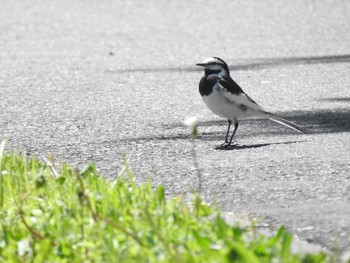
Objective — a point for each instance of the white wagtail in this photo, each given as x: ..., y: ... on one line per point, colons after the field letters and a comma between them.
x: 225, y: 98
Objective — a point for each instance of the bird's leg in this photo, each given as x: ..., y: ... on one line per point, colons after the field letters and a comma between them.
x: 228, y: 130
x: 234, y: 131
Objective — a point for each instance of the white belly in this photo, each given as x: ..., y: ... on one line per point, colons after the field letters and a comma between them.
x: 231, y: 106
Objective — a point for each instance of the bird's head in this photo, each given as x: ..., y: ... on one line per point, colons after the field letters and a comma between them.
x: 214, y: 65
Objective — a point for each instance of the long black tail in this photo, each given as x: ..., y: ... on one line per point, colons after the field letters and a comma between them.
x: 286, y: 123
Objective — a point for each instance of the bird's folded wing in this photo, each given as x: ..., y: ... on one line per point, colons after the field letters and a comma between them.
x: 230, y: 85
x: 233, y: 92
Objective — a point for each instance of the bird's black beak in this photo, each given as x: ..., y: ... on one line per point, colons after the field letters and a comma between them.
x: 200, y: 64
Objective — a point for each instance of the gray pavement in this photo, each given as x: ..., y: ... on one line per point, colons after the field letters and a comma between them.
x: 90, y: 81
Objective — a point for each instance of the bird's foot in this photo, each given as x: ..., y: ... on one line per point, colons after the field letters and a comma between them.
x: 226, y: 146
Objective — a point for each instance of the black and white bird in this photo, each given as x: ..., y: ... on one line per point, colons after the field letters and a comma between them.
x: 225, y: 98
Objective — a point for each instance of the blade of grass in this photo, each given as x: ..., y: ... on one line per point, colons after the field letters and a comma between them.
x: 2, y: 147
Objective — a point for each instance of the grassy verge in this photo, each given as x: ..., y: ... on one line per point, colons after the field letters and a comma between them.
x: 77, y: 216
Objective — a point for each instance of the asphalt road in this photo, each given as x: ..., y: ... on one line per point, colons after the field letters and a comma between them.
x: 91, y: 80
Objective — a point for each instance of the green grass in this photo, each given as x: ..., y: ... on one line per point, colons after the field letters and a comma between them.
x: 76, y: 216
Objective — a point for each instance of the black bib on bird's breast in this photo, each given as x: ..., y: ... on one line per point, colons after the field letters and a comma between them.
x: 207, y: 84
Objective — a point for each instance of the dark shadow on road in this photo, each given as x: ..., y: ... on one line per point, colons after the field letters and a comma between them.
x: 252, y: 146
x: 250, y: 64
x: 323, y: 121
x: 290, y: 61
x: 338, y: 99
x: 317, y: 122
